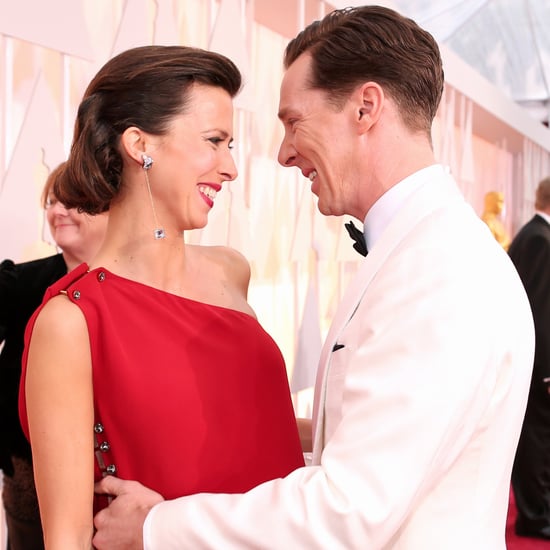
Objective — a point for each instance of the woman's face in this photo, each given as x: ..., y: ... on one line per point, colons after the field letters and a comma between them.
x: 77, y: 234
x: 193, y: 160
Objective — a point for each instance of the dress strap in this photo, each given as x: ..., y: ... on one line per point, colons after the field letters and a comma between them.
x: 61, y: 286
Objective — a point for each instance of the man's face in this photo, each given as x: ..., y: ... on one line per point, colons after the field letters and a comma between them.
x: 317, y: 139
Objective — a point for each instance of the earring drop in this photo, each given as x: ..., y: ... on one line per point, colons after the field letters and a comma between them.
x: 159, y: 232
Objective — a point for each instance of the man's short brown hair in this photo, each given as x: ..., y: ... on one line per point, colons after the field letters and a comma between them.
x: 373, y: 43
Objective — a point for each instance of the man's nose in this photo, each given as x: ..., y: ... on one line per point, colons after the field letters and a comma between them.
x: 287, y: 154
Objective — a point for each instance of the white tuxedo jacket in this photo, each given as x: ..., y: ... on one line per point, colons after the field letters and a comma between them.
x: 417, y: 413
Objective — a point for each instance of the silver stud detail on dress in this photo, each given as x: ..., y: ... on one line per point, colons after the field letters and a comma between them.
x: 104, y: 447
x: 111, y: 470
x: 76, y: 294
x: 101, y: 276
x: 98, y: 428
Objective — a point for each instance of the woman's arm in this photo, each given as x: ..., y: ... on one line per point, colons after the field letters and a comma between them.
x: 59, y: 399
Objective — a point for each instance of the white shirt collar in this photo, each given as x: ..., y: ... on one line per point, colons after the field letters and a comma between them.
x: 386, y: 207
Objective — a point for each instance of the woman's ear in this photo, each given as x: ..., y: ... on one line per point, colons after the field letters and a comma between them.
x: 133, y: 143
x: 370, y: 100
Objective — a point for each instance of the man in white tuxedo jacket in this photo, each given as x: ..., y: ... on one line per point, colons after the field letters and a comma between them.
x: 423, y: 378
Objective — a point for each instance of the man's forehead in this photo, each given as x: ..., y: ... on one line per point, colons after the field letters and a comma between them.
x: 300, y: 69
x: 294, y: 85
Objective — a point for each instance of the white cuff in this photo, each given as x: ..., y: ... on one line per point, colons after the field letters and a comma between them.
x: 147, y: 528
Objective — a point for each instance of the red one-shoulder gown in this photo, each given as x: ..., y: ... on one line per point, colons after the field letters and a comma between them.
x: 188, y: 397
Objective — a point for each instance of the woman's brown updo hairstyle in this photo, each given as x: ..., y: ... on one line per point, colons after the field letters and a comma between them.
x: 144, y: 87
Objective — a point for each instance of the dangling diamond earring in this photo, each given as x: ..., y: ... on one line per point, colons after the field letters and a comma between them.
x: 147, y: 161
x: 159, y: 232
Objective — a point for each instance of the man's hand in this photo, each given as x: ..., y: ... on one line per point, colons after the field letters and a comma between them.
x: 120, y: 526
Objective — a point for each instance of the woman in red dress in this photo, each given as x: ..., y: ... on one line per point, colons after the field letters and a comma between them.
x: 149, y: 363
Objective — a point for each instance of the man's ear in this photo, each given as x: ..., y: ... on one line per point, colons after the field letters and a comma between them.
x: 370, y: 100
x: 133, y: 143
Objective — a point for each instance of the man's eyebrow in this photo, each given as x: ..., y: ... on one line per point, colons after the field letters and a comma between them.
x: 284, y: 113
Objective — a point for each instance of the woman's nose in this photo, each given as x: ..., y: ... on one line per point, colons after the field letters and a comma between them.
x: 229, y: 168
x: 59, y: 208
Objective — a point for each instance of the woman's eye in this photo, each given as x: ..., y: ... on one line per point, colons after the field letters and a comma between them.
x: 217, y: 140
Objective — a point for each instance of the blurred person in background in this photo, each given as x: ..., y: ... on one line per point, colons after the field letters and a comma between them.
x: 530, y: 252
x: 22, y: 288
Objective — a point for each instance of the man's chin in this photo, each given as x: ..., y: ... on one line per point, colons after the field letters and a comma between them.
x: 324, y: 209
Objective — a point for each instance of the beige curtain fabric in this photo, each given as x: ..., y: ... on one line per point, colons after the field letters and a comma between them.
x: 268, y: 213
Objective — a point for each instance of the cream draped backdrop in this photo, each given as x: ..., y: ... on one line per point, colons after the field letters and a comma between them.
x: 268, y: 213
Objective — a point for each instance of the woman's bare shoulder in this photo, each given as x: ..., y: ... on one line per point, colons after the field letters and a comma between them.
x: 226, y: 266
x: 228, y: 259
x: 59, y: 344
x: 60, y: 317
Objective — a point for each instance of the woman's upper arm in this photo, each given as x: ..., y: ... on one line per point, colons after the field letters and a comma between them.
x: 59, y: 399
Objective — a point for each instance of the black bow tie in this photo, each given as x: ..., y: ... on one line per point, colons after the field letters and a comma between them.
x: 358, y: 237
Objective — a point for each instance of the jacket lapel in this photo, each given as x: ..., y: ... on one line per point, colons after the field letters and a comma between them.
x: 429, y: 197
